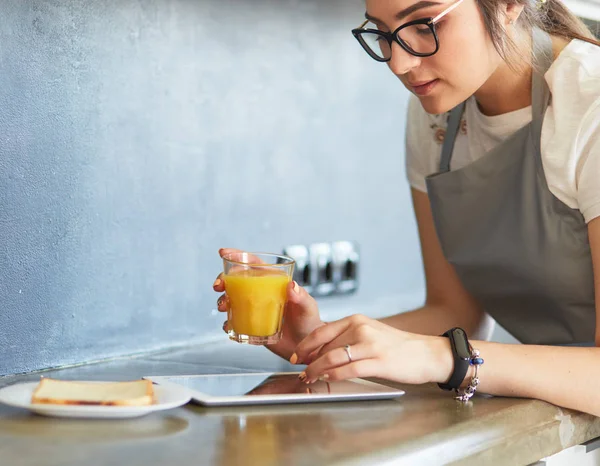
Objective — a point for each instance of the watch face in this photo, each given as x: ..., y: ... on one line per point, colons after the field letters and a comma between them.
x: 462, y: 345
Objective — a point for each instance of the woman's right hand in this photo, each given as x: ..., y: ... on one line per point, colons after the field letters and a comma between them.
x: 301, y: 315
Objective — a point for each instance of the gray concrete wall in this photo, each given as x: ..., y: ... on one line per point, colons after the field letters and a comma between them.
x: 137, y: 137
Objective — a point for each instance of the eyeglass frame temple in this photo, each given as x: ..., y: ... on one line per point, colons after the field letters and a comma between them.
x: 433, y: 20
x: 443, y: 13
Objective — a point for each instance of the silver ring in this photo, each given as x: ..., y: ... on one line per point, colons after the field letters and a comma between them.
x: 347, y: 348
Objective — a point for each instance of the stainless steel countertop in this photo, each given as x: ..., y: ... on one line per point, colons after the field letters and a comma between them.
x: 424, y: 427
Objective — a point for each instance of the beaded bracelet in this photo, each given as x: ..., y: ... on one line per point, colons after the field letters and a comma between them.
x: 466, y: 394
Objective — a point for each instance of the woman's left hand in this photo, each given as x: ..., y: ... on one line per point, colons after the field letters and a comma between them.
x: 376, y: 349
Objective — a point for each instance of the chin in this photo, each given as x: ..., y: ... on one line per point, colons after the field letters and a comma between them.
x: 442, y: 98
x: 437, y: 105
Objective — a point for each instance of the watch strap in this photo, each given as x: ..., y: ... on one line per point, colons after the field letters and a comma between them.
x: 461, y: 365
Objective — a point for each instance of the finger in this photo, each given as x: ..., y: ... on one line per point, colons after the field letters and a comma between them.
x: 219, y: 284
x: 308, y: 359
x: 301, y: 310
x: 363, y: 368
x: 321, y: 336
x: 238, y: 255
x: 226, y: 251
x: 346, y: 338
x: 302, y: 307
x: 234, y: 270
x: 312, y: 356
x: 300, y: 298
x: 338, y: 357
x: 223, y: 303
x: 226, y: 326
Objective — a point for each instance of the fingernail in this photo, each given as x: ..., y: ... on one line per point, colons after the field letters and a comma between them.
x: 324, y: 378
x: 296, y: 288
x: 217, y: 282
x: 302, y: 376
x: 294, y: 359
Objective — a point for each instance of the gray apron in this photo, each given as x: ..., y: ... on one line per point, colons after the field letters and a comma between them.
x: 522, y: 253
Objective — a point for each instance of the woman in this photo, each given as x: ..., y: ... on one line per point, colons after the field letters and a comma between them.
x: 503, y: 157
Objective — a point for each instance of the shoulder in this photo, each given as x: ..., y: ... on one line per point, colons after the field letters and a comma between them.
x: 571, y: 134
x: 574, y: 82
x: 574, y: 79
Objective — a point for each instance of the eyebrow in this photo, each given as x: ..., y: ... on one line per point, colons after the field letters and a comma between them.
x: 407, y: 11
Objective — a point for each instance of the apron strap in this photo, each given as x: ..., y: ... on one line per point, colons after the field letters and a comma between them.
x: 543, y: 57
x: 450, y: 137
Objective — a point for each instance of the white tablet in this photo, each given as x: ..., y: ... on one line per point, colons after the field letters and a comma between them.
x: 272, y: 388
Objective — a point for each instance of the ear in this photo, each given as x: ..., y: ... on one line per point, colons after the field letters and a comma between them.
x: 512, y: 11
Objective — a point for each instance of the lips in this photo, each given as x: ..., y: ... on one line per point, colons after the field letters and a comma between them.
x: 423, y: 87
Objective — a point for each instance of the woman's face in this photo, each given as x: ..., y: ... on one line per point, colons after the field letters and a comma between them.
x: 465, y: 60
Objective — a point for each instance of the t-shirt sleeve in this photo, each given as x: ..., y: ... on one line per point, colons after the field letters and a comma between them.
x: 588, y: 166
x: 419, y: 150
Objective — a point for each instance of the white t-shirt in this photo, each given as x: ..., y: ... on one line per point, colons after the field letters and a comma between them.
x: 570, y: 142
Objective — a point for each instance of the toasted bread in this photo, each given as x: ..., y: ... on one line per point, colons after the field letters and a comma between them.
x: 63, y: 392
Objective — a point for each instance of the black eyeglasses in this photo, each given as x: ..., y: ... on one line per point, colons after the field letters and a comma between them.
x: 419, y: 37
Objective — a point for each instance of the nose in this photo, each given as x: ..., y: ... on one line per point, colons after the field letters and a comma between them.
x: 402, y: 62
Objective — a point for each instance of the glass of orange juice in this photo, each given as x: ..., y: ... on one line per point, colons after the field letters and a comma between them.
x: 256, y: 285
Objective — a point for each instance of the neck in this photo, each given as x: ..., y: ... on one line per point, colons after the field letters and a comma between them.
x: 508, y: 90
x: 505, y: 91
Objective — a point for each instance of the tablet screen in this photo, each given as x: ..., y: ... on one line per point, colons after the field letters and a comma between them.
x: 270, y: 384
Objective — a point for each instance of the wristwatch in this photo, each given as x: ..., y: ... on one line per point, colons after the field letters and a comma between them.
x: 461, y: 352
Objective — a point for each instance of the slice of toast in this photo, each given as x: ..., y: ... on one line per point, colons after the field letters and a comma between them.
x: 64, y: 392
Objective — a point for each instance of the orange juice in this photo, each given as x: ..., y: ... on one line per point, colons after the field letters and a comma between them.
x: 256, y: 300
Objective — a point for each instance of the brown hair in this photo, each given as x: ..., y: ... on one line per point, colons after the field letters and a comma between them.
x: 551, y: 16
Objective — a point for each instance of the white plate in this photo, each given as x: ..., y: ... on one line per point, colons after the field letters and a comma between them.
x: 19, y: 396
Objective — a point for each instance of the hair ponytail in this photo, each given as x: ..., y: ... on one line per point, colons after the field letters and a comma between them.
x: 556, y: 19
x: 551, y: 16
